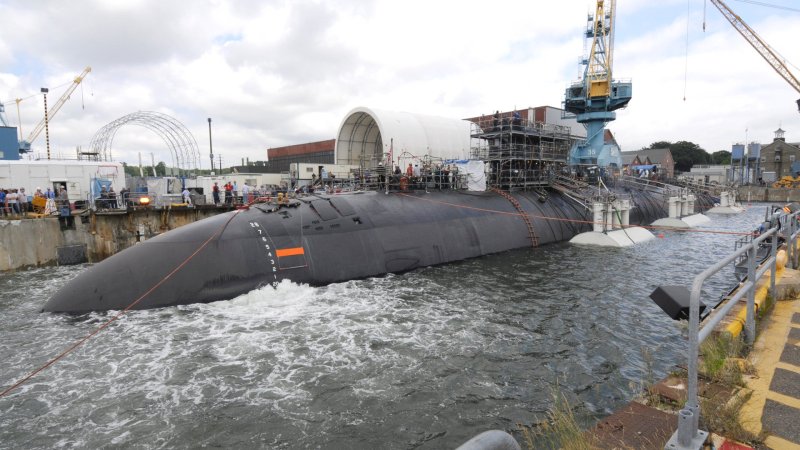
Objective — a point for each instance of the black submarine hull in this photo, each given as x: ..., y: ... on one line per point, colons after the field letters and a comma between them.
x: 325, y: 239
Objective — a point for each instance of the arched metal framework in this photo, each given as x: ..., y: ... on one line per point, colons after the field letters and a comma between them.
x: 182, y: 145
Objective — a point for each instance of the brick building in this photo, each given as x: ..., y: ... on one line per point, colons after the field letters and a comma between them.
x: 280, y: 158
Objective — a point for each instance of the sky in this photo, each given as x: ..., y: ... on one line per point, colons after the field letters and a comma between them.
x: 271, y: 73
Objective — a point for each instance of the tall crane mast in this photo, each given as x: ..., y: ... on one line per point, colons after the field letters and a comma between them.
x: 594, y: 99
x: 761, y: 47
x: 25, y: 145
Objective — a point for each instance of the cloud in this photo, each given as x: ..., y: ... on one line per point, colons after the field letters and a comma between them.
x: 273, y: 73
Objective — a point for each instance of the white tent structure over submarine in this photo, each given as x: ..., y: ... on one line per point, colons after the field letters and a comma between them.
x: 366, y: 135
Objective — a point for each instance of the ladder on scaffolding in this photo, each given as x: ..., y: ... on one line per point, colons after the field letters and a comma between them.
x: 522, y: 213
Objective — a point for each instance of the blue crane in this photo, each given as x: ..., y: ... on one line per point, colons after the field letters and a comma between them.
x: 594, y: 99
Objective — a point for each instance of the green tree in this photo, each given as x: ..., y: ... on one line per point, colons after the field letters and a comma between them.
x: 132, y: 171
x: 661, y: 144
x: 161, y: 169
x: 685, y: 154
x: 721, y: 157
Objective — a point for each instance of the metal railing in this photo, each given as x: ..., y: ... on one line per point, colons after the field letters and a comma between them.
x: 688, y: 436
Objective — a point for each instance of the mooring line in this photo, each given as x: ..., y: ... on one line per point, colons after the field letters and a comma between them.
x: 121, y: 313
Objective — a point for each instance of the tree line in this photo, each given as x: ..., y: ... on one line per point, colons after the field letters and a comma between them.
x: 686, y: 154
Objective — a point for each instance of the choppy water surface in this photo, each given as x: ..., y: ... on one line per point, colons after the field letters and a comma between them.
x: 425, y: 359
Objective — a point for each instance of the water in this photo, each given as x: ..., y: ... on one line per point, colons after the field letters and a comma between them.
x: 425, y: 359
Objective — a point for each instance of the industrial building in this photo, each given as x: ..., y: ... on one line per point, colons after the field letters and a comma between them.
x: 649, y: 158
x: 281, y: 158
x: 779, y: 157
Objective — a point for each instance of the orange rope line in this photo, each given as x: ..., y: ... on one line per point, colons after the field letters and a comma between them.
x: 119, y: 314
x: 589, y: 222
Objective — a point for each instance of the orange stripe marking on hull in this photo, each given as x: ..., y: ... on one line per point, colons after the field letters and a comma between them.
x: 281, y: 252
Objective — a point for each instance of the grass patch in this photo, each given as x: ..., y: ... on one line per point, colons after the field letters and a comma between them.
x: 560, y: 430
x: 722, y: 416
x: 720, y: 359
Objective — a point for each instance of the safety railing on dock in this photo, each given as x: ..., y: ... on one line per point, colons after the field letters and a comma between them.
x: 688, y: 435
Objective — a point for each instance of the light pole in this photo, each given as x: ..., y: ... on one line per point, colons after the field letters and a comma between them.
x: 210, y: 147
x: 46, y: 125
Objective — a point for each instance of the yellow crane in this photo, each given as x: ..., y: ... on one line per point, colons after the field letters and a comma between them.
x: 25, y: 144
x: 761, y: 47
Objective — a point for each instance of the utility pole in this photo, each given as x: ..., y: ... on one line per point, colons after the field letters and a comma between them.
x: 46, y: 126
x: 210, y: 147
x: 220, y: 163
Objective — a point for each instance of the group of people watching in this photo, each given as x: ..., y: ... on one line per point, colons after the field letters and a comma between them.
x: 437, y: 176
x: 108, y: 198
x: 16, y: 202
x: 231, y: 193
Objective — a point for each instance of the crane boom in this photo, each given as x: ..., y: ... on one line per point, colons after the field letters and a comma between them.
x: 25, y: 145
x: 761, y: 47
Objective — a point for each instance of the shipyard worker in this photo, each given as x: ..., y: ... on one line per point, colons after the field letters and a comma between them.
x: 103, y: 202
x: 123, y: 197
x: 235, y: 189
x: 409, y: 170
x: 23, y: 201
x: 187, y: 196
x: 50, y: 194
x: 228, y: 193
x: 112, y: 198
x: 496, y: 119
x: 215, y: 193
x: 11, y: 202
x: 381, y: 175
x: 65, y: 216
x: 38, y: 193
x: 245, y: 193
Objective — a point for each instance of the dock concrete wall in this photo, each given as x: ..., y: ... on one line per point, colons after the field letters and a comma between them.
x: 768, y: 194
x: 35, y: 242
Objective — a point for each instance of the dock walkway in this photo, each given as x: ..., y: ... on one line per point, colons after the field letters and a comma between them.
x: 773, y: 409
x: 775, y: 404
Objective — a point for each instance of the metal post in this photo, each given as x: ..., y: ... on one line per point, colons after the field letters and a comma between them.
x: 46, y: 122
x: 750, y: 321
x: 773, y: 272
x: 788, y: 243
x: 210, y: 148
x: 691, y: 409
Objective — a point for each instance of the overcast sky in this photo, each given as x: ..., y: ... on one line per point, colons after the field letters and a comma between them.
x: 273, y: 73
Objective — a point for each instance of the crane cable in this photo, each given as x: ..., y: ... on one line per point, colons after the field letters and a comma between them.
x: 124, y: 311
x: 686, y: 56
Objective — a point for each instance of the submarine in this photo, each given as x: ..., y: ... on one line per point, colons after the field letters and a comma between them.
x: 321, y: 239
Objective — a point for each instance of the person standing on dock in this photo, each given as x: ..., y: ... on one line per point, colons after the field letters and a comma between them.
x: 228, y: 193
x: 215, y: 193
x: 245, y: 193
x: 112, y: 198
x: 22, y: 198
x: 381, y: 175
x: 187, y: 196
